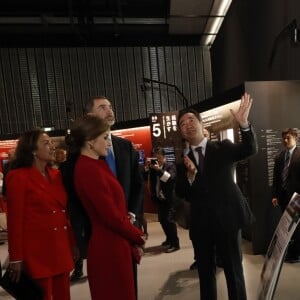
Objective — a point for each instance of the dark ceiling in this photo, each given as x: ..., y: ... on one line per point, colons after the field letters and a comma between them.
x: 103, y: 22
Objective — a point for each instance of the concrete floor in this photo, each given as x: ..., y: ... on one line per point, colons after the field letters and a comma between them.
x: 165, y: 276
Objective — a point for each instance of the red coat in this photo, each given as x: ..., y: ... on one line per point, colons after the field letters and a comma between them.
x: 39, y: 233
x: 109, y: 259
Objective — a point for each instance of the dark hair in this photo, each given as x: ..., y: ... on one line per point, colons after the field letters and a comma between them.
x: 90, y: 103
x: 159, y: 150
x: 186, y: 111
x: 85, y: 128
x: 27, y: 144
x: 291, y: 131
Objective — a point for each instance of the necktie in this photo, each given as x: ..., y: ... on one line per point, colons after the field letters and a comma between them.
x: 201, y: 159
x: 110, y: 159
x: 285, y: 170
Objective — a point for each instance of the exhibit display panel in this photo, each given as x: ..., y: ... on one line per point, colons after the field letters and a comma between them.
x: 276, y: 107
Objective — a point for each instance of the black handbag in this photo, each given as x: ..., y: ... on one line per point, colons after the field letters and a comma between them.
x: 26, y: 288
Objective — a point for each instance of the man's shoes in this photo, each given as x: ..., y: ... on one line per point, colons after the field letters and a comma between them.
x: 172, y: 249
x: 78, y: 271
x: 194, y: 265
x: 76, y: 276
x: 165, y: 244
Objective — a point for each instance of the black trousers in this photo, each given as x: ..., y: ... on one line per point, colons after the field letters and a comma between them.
x: 167, y: 222
x: 209, y: 237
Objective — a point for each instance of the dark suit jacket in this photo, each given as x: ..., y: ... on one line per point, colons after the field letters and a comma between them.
x: 128, y: 173
x: 293, y: 178
x: 166, y: 187
x: 215, y: 188
x: 78, y: 216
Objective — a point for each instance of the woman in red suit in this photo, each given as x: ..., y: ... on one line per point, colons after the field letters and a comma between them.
x: 115, y: 241
x: 39, y: 234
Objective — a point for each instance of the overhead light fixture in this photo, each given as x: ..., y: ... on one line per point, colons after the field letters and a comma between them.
x: 214, y: 23
x: 48, y: 128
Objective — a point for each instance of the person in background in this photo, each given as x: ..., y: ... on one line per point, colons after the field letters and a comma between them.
x: 141, y: 218
x: 60, y: 157
x: 40, y: 239
x: 205, y: 177
x: 115, y: 241
x: 162, y: 179
x: 6, y: 168
x: 286, y: 181
x: 123, y: 161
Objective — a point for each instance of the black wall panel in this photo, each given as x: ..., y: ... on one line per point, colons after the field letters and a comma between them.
x: 251, y: 31
x: 49, y: 86
x: 27, y: 97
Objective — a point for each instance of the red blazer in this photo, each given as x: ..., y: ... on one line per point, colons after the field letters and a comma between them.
x: 39, y: 232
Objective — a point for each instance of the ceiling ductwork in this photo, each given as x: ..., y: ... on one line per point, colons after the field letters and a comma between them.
x: 105, y: 22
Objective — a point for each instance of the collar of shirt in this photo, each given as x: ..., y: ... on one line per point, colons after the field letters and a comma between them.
x: 292, y: 150
x: 202, y: 144
x: 111, y: 147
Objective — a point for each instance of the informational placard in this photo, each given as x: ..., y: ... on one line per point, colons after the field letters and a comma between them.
x: 165, y: 134
x: 277, y: 248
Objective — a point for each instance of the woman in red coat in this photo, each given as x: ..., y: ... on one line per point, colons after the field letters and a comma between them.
x: 39, y: 234
x: 115, y: 241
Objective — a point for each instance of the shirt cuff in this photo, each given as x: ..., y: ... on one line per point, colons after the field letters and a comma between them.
x: 192, y: 179
x: 165, y: 176
x: 246, y: 129
x: 132, y: 215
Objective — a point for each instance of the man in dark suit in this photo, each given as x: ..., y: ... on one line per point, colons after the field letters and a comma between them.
x: 124, y: 160
x: 205, y: 178
x: 79, y: 220
x: 162, y: 180
x: 286, y: 181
